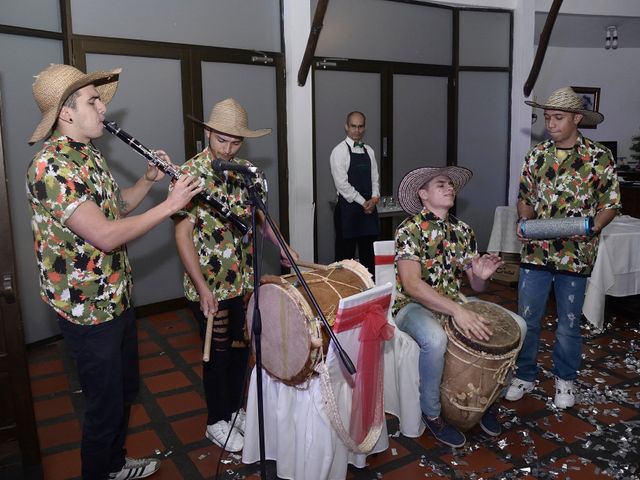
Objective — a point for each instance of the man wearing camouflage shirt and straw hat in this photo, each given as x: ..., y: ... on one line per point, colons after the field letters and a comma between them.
x: 80, y: 225
x: 434, y: 251
x: 568, y: 175
x: 218, y: 267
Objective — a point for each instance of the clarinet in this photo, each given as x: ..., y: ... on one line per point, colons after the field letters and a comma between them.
x: 169, y: 169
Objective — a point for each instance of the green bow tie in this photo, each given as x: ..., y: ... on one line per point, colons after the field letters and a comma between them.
x: 358, y: 144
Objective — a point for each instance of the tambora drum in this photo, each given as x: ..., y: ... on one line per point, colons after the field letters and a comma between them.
x: 475, y: 371
x: 292, y: 339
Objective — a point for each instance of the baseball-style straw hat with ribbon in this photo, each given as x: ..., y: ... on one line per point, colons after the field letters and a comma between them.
x: 54, y: 85
x: 566, y: 100
x: 415, y: 179
x: 230, y: 118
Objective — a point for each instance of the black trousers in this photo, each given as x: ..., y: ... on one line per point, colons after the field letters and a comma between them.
x: 106, y: 356
x: 345, y: 248
x: 223, y: 375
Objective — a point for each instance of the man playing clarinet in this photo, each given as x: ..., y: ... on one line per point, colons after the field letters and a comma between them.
x: 81, y: 223
x: 217, y: 258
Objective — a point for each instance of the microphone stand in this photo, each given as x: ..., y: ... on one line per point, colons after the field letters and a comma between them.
x: 256, y: 327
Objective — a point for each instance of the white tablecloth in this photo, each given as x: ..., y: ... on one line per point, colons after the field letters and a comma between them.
x: 617, y: 268
x: 503, y: 234
x: 298, y: 433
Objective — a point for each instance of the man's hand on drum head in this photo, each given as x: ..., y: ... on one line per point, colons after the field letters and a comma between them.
x: 472, y: 324
x: 208, y: 303
x: 484, y: 266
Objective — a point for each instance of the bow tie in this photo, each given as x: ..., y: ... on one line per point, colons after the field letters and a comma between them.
x: 358, y: 144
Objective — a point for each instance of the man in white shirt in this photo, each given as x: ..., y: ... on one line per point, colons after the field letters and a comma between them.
x: 355, y: 175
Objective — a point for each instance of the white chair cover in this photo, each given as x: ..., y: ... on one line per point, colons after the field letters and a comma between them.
x: 298, y: 432
x: 401, y: 378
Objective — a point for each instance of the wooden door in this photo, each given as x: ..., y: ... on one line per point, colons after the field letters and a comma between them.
x: 18, y: 434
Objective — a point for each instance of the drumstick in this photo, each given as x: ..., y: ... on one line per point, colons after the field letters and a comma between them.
x: 314, y: 266
x: 207, y: 338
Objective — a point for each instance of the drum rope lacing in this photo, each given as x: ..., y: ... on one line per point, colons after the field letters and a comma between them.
x: 499, y: 374
x: 331, y: 409
x: 330, y: 315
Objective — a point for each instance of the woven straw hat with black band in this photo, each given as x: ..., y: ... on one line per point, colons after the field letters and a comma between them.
x: 566, y: 100
x: 228, y: 117
x: 412, y: 181
x: 54, y: 85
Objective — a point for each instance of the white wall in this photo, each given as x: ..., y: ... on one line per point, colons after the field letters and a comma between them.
x: 297, y: 23
x: 616, y: 72
x: 630, y: 8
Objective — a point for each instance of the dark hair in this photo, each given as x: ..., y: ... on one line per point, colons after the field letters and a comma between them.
x: 71, y: 100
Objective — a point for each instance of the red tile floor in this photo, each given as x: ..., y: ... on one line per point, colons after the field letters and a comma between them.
x: 597, y: 439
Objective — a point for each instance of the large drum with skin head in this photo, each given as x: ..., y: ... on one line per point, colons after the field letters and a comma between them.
x: 475, y: 371
x: 292, y: 339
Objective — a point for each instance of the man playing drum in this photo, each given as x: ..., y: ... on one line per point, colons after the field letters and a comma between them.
x: 433, y: 250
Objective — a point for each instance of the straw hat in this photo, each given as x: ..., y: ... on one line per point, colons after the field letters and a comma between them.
x: 54, y: 85
x: 412, y: 181
x: 230, y: 118
x: 566, y: 100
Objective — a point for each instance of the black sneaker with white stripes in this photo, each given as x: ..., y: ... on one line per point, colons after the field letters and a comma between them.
x: 136, y: 468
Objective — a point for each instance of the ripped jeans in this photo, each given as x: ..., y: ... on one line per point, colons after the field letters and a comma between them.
x: 533, y: 292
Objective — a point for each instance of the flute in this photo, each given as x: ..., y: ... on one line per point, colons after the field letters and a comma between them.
x: 169, y: 169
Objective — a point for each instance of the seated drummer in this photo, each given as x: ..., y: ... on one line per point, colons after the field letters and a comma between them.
x: 433, y: 250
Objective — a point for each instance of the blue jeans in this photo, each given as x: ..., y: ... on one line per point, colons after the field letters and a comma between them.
x: 421, y: 325
x: 533, y: 292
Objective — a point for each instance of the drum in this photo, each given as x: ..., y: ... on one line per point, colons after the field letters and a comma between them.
x: 293, y: 340
x: 475, y: 371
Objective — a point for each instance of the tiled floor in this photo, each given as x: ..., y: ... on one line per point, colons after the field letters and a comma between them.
x: 598, y: 438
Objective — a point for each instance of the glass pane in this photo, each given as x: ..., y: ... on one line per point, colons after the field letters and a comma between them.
x: 483, y: 146
x: 255, y: 88
x: 247, y: 24
x: 38, y: 14
x: 362, y: 29
x: 419, y: 112
x: 154, y: 117
x: 337, y: 94
x: 485, y: 38
x: 20, y: 59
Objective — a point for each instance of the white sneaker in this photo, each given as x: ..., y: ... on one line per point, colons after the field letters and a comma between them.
x: 136, y: 468
x: 518, y: 388
x: 220, y: 431
x: 565, y: 397
x: 239, y: 420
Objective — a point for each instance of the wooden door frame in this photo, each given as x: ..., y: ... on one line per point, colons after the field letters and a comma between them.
x: 386, y: 71
x: 13, y: 353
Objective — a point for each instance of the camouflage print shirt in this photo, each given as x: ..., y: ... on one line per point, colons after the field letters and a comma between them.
x: 225, y: 255
x: 582, y: 184
x: 82, y: 283
x: 444, y: 248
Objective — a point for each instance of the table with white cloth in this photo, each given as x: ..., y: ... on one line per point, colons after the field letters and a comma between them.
x: 503, y: 234
x: 298, y: 432
x: 617, y: 268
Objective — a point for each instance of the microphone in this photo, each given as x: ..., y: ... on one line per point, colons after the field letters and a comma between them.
x: 222, y: 166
